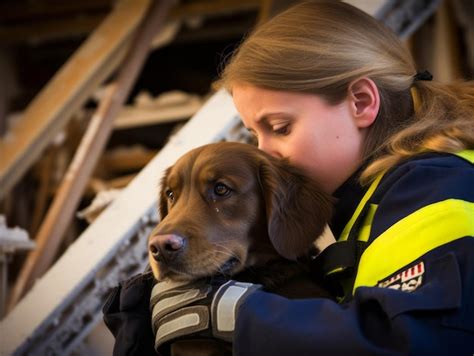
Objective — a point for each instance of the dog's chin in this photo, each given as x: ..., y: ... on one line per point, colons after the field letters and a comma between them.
x: 171, y: 272
x: 189, y: 273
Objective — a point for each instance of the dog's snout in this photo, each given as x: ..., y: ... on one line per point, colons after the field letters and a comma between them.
x: 165, y: 246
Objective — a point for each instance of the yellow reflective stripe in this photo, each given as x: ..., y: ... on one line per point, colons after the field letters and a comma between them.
x: 365, y: 198
x: 468, y: 155
x: 364, y: 232
x: 412, y: 237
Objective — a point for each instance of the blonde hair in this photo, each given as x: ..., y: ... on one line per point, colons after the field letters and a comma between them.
x: 320, y: 47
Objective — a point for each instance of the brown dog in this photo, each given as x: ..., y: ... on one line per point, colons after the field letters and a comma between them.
x: 229, y: 208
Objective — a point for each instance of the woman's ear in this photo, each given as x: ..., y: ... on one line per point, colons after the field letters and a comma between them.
x: 364, y: 100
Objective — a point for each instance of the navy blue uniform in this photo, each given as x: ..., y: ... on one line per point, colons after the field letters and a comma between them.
x: 413, y: 290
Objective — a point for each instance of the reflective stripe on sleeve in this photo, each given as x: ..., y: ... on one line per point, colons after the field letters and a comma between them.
x: 412, y: 237
x: 226, y: 308
x: 225, y: 305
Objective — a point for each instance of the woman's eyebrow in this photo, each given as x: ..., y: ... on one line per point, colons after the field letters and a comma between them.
x: 265, y: 116
x: 263, y: 119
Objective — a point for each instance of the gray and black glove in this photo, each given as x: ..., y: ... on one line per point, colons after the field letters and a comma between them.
x: 206, y: 308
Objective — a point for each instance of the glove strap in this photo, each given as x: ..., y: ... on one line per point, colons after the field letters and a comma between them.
x: 225, y: 304
x: 168, y: 320
x: 183, y: 322
x: 167, y: 303
x: 161, y: 289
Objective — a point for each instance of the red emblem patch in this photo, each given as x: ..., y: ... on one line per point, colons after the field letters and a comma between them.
x: 408, y: 280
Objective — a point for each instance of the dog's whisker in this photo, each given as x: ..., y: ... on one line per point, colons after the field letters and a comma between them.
x: 222, y: 248
x: 230, y: 256
x: 229, y: 239
x: 227, y: 251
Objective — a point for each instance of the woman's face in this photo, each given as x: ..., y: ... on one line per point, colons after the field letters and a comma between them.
x: 322, y: 139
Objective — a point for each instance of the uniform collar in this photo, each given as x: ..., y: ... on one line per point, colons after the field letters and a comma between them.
x: 348, y: 196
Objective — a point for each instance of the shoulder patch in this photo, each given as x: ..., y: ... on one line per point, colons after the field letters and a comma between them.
x: 407, y: 280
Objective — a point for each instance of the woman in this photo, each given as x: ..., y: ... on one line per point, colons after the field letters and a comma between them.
x: 330, y: 88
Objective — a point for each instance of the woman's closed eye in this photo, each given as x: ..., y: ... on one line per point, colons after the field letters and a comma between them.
x: 281, y: 129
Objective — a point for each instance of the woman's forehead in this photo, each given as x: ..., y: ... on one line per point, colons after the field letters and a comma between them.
x: 255, y: 103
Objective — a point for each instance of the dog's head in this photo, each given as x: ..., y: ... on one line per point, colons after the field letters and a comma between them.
x: 228, y: 206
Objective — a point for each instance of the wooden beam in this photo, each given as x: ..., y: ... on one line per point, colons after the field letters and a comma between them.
x: 14, y: 11
x: 46, y: 169
x: 47, y: 114
x: 50, y: 29
x: 158, y: 113
x: 132, y: 158
x: 212, y: 8
x: 75, y: 180
x: 67, y: 25
x: 446, y: 57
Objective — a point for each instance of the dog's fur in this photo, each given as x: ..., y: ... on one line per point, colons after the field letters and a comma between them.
x: 229, y: 208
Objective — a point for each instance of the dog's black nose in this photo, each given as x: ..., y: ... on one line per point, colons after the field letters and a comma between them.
x: 165, y: 246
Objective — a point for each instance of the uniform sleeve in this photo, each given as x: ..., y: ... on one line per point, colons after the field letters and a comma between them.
x: 436, y: 318
x: 423, y: 304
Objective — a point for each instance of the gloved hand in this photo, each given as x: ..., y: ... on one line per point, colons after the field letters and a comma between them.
x: 205, y: 308
x: 127, y: 315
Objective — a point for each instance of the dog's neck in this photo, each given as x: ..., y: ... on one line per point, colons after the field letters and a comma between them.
x: 271, y: 274
x: 284, y: 277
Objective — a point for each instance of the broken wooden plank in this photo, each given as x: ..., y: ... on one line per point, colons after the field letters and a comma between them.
x: 159, y: 111
x: 126, y: 159
x: 47, y: 114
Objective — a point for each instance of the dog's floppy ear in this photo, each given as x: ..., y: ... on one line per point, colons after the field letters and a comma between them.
x: 297, y: 208
x: 163, y: 201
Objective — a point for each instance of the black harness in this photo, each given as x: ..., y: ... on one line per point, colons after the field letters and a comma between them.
x: 337, y: 264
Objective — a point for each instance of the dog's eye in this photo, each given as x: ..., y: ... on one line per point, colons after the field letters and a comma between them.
x: 170, y: 195
x: 221, y: 189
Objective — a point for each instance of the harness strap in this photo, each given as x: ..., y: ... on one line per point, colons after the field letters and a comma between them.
x: 340, y: 256
x: 360, y: 208
x: 339, y: 260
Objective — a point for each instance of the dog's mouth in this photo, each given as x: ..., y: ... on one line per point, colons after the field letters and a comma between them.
x: 179, y: 272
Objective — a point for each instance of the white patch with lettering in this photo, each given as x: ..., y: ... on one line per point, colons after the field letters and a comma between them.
x: 407, y: 280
